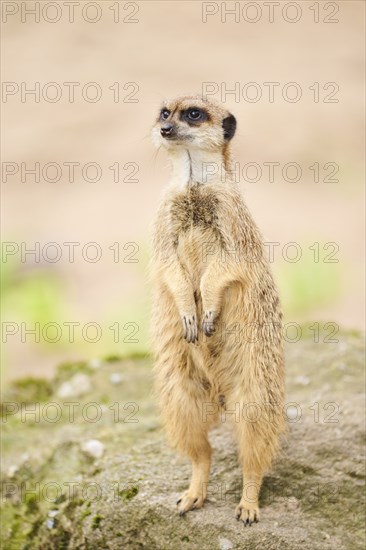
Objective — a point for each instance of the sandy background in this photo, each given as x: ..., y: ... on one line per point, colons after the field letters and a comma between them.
x: 167, y: 52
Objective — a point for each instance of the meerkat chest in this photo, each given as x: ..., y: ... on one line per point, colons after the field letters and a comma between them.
x: 195, y: 221
x: 194, y: 210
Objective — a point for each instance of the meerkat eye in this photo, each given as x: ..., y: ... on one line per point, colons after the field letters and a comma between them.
x: 194, y: 114
x: 165, y: 114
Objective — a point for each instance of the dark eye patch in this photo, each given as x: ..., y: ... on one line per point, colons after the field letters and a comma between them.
x: 194, y: 116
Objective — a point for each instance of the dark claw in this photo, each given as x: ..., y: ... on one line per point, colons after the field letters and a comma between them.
x: 181, y: 513
x: 190, y: 329
x: 195, y: 334
x: 195, y: 500
x: 250, y: 522
x: 208, y: 328
x: 179, y: 501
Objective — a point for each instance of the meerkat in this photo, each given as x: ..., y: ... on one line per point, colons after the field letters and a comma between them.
x: 216, y: 315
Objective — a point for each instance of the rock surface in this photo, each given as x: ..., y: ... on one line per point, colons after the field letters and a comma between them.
x: 59, y: 498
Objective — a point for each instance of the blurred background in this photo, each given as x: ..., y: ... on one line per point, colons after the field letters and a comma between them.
x: 98, y: 83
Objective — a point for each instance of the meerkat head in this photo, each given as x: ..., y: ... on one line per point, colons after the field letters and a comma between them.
x: 192, y: 122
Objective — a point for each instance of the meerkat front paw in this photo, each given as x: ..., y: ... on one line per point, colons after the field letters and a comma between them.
x: 208, y: 326
x: 189, y: 501
x: 190, y: 328
x: 247, y: 512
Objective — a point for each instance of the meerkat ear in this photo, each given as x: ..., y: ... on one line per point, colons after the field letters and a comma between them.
x: 229, y: 126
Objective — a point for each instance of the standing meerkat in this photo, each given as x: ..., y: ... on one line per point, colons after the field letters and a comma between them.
x: 216, y: 320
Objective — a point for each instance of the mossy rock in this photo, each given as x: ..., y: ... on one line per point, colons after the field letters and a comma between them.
x: 311, y: 499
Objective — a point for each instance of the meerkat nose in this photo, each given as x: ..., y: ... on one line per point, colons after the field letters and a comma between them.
x: 166, y: 130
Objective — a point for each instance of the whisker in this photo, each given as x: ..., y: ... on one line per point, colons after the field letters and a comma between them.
x: 156, y: 153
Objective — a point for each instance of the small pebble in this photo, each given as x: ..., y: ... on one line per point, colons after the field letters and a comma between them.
x: 302, y: 380
x: 292, y: 412
x: 292, y: 503
x: 78, y: 385
x: 93, y: 448
x: 12, y: 470
x: 50, y: 522
x: 115, y: 378
x: 95, y: 363
x: 225, y: 544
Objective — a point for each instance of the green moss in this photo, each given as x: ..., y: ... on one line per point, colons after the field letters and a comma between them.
x: 331, y: 502
x: 59, y: 540
x: 62, y: 498
x: 31, y: 502
x: 85, y: 514
x: 129, y: 493
x: 138, y: 355
x: 13, y: 531
x: 113, y: 358
x: 35, y: 528
x: 97, y: 521
x: 29, y: 390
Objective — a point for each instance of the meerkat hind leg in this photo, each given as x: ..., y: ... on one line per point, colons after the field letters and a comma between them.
x: 255, y: 457
x: 191, y: 435
x: 248, y: 508
x: 195, y: 495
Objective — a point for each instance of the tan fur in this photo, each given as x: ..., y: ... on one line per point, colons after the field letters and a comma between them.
x: 211, y: 278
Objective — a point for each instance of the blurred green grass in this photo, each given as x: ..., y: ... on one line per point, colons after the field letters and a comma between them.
x: 39, y: 295
x: 306, y: 286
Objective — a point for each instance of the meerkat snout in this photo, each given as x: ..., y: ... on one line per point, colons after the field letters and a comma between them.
x: 167, y: 131
x: 193, y: 122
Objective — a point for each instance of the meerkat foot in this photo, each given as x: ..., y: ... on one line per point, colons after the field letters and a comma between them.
x: 190, y: 328
x: 247, y: 512
x: 208, y: 326
x: 189, y: 501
